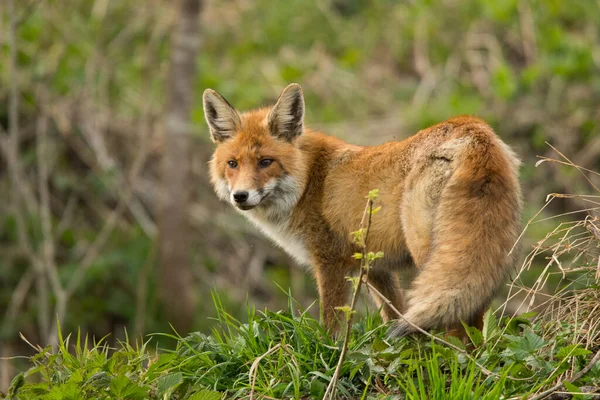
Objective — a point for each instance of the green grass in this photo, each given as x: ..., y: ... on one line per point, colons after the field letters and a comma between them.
x: 293, y: 357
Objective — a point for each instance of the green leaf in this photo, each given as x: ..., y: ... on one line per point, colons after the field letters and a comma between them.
x: 68, y: 391
x: 527, y: 315
x: 474, y: 334
x: 206, y: 395
x: 167, y: 384
x: 373, y: 194
x: 118, y: 385
x: 520, y: 347
x: 573, y: 390
x: 163, y: 360
x: 379, y: 345
x: 533, y: 341
x: 520, y: 371
x: 455, y: 341
x: 134, y: 392
x: 353, y: 280
x: 490, y: 326
x: 99, y: 381
x: 317, y: 389
x: 122, y: 387
x: 16, y: 385
x: 346, y: 310
x: 572, y: 350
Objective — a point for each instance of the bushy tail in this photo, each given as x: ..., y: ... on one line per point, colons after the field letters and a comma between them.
x: 476, y: 225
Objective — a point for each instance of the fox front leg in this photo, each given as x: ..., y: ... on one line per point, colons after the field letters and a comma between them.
x: 333, y: 293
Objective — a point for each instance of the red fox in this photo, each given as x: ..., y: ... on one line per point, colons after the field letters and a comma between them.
x: 450, y: 197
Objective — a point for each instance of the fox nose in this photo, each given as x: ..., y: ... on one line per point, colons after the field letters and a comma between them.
x: 240, y: 197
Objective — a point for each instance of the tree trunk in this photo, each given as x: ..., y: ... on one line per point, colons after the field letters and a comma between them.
x: 175, y: 283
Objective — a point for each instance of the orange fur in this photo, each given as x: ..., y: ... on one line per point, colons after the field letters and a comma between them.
x: 450, y: 202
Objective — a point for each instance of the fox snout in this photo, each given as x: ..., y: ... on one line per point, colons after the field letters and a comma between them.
x: 246, y: 199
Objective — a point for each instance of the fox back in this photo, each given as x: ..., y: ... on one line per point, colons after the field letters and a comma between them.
x: 450, y: 200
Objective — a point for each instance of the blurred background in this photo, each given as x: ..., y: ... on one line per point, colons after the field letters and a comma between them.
x: 107, y: 218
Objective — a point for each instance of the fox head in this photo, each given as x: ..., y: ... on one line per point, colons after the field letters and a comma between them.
x: 257, y: 163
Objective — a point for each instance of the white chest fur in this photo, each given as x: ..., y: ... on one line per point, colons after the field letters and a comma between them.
x: 273, y: 220
x: 284, y: 237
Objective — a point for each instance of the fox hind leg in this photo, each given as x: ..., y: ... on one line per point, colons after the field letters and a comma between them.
x: 387, y: 283
x: 419, y: 205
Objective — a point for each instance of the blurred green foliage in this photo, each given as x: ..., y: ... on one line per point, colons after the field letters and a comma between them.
x: 371, y: 70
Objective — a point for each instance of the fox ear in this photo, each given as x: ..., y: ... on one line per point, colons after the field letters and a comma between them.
x: 223, y: 119
x: 286, y: 118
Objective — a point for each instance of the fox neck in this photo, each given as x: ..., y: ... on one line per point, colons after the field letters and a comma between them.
x: 275, y: 216
x: 280, y: 204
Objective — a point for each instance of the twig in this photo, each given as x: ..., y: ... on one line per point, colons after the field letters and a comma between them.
x: 67, y: 216
x: 572, y: 164
x: 17, y: 298
x: 577, y: 376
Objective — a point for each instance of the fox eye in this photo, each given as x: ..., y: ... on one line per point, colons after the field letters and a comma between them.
x: 232, y: 163
x: 265, y: 162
